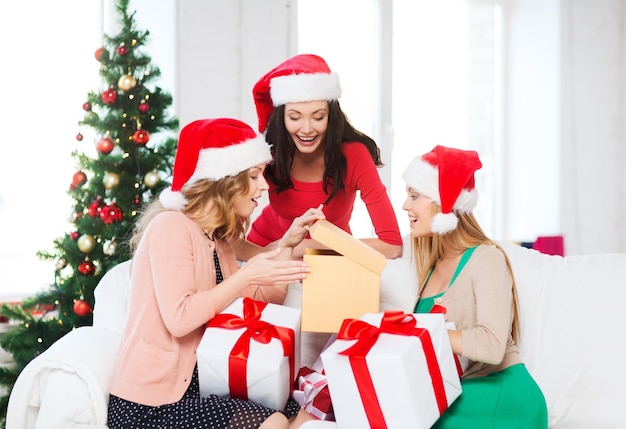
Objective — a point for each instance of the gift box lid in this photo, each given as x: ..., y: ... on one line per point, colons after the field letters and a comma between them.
x: 345, y: 244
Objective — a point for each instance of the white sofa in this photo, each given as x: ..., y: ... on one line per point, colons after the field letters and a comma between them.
x: 571, y: 342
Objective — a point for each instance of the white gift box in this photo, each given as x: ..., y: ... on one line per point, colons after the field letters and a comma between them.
x: 404, y: 380
x: 244, y: 356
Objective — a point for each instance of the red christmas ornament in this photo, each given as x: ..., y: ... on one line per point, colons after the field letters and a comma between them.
x: 137, y: 200
x: 74, y: 235
x: 95, y: 207
x: 79, y: 179
x: 101, y: 54
x: 87, y: 268
x: 105, y: 145
x: 111, y: 214
x: 82, y: 308
x: 79, y: 137
x: 109, y: 96
x: 86, y: 106
x: 122, y: 50
x: 141, y: 137
x: 144, y: 107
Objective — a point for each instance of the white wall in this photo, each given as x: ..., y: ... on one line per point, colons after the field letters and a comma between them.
x: 223, y: 47
x: 593, y: 146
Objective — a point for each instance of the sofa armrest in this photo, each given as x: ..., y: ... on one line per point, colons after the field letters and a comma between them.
x: 68, y: 384
x: 111, y: 295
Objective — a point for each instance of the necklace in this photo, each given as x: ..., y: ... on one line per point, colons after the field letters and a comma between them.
x: 212, y: 239
x: 218, y: 269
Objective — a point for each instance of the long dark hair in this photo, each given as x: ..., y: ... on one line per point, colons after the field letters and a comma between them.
x: 339, y: 130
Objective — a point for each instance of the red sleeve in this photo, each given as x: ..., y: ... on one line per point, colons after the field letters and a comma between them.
x: 363, y: 175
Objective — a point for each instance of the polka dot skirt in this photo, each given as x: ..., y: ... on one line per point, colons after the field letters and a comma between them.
x: 193, y: 411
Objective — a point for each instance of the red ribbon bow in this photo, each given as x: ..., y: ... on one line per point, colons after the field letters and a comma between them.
x: 397, y: 323
x: 257, y: 330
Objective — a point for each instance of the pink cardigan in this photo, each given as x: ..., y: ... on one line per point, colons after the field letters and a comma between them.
x: 171, y: 275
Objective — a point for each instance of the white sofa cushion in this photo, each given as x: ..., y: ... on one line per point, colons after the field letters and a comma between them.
x: 571, y: 333
x: 111, y: 296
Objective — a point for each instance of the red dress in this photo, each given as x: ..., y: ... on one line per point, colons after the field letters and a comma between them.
x: 361, y: 175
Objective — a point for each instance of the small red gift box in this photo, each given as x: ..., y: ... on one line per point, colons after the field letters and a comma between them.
x: 311, y: 392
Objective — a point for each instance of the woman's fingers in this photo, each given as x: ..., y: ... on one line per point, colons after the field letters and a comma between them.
x: 284, y: 271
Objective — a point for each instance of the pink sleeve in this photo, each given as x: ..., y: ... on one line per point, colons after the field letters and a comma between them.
x: 175, y: 264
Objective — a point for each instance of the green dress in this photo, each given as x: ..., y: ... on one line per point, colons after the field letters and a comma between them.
x: 507, y: 399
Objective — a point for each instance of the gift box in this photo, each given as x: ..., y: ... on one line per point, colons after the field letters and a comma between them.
x: 391, y: 370
x: 344, y: 281
x: 311, y: 392
x: 251, y: 350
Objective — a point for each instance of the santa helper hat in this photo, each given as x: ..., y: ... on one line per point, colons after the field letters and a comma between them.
x: 446, y: 176
x: 304, y: 77
x: 213, y: 149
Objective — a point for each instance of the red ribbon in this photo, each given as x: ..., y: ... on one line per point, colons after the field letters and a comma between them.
x: 257, y: 330
x: 397, y: 323
x: 441, y: 309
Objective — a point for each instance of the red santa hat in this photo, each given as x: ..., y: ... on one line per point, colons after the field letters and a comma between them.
x: 304, y: 77
x: 213, y: 149
x: 446, y: 176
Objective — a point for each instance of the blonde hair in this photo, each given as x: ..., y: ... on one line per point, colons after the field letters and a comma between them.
x: 468, y: 233
x: 210, y: 203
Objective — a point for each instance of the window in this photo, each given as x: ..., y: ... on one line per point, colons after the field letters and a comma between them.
x: 344, y: 34
x: 48, y: 69
x: 444, y: 82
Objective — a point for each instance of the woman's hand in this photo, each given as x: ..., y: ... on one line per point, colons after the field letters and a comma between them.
x: 266, y: 270
x: 300, y: 227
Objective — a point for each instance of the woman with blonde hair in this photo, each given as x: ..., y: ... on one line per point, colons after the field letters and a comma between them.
x: 467, y: 276
x: 184, y: 272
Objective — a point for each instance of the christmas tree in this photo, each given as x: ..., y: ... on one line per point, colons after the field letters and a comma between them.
x: 129, y: 167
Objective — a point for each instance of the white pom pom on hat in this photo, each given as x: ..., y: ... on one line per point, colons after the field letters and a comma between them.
x: 446, y: 176
x: 304, y: 77
x: 213, y: 149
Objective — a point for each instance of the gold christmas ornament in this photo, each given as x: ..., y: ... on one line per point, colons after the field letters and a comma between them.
x: 126, y: 82
x: 110, y: 180
x: 86, y: 243
x: 151, y: 179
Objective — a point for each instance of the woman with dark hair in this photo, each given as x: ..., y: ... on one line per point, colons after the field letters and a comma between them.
x: 184, y: 272
x: 318, y: 157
